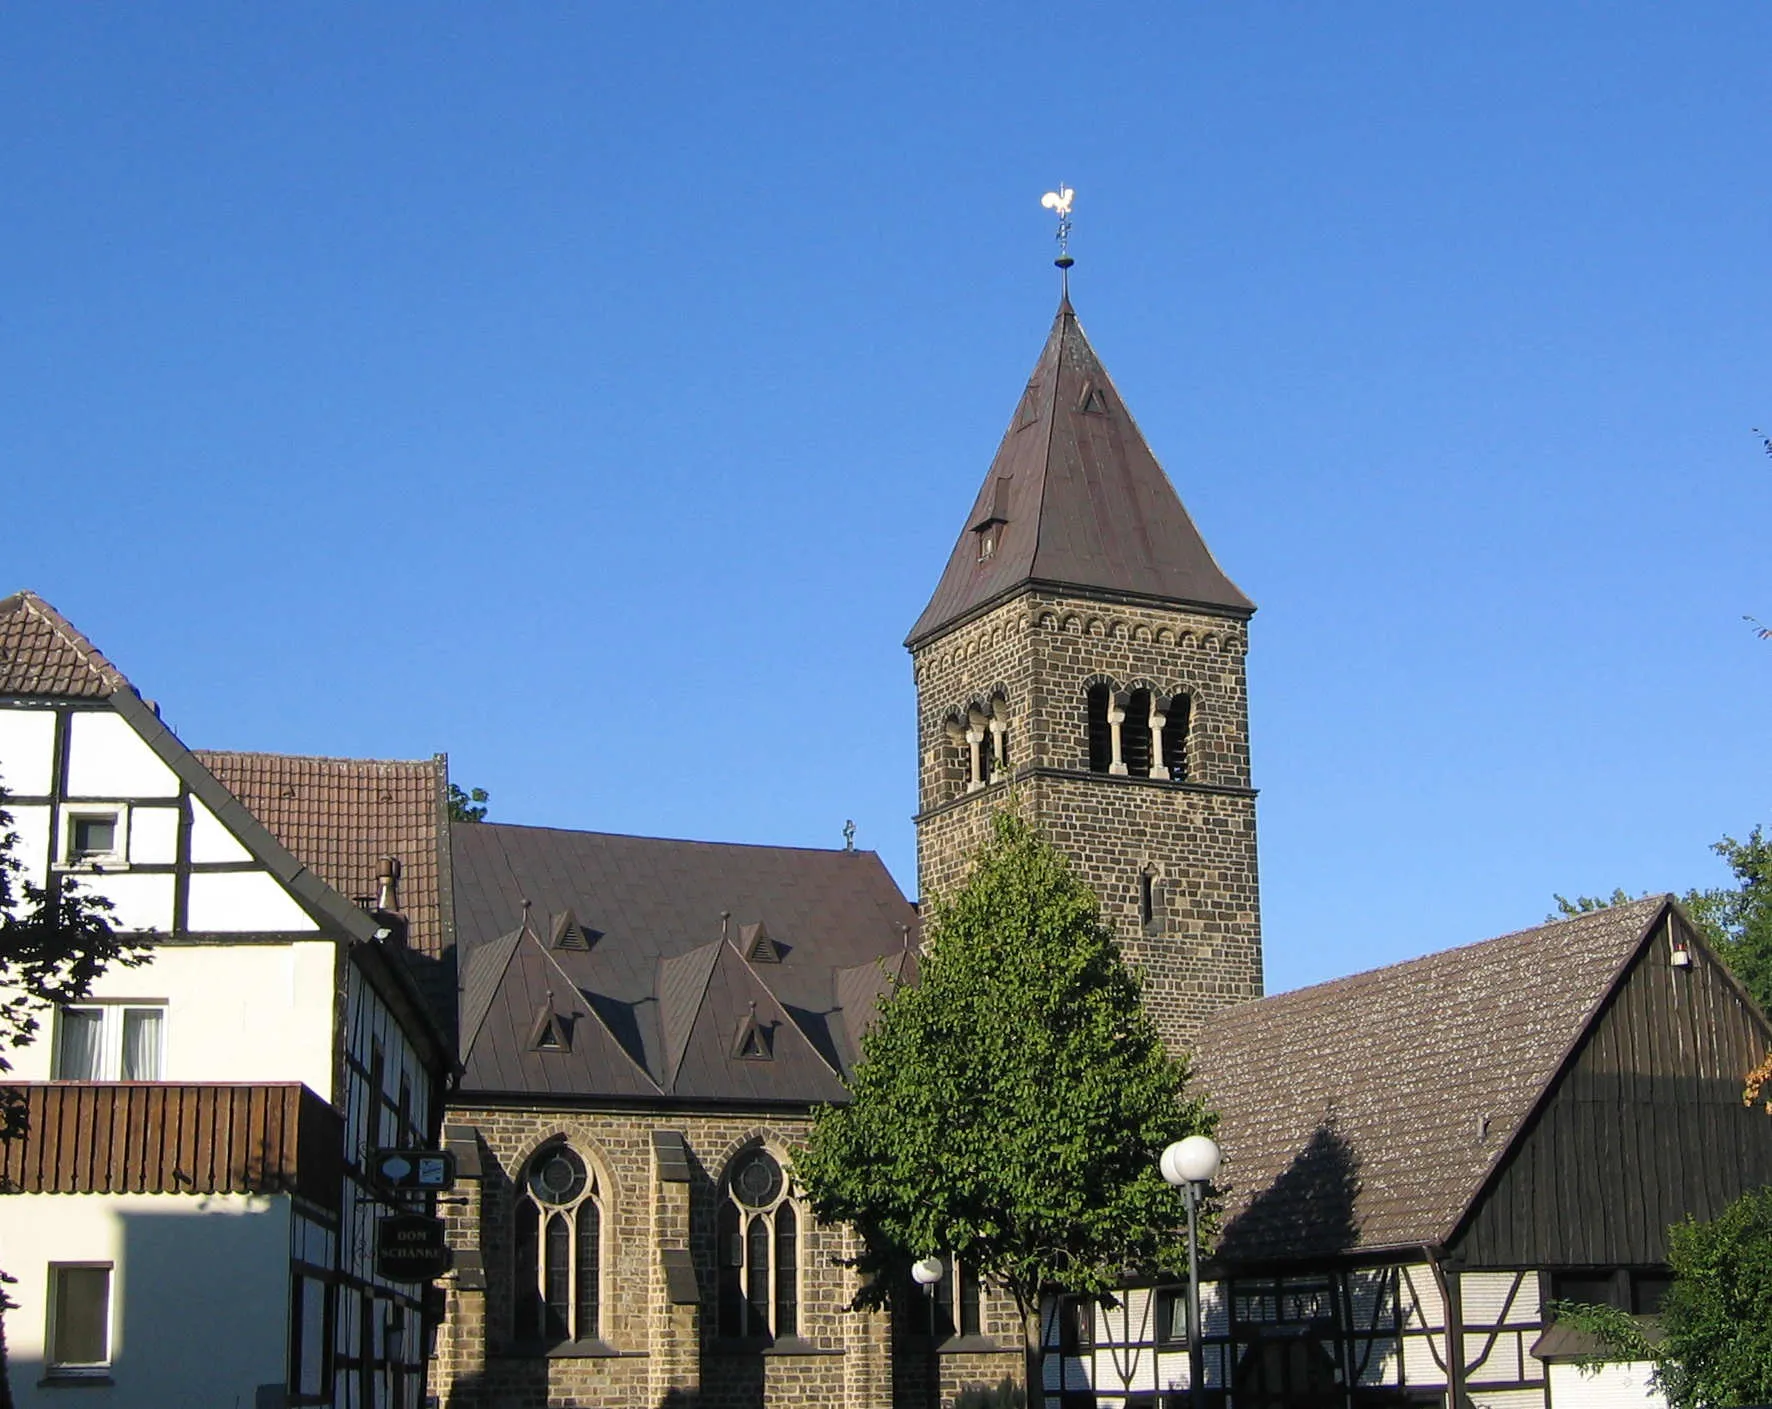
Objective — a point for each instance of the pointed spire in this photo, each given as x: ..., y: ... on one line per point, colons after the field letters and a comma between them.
x: 1075, y: 500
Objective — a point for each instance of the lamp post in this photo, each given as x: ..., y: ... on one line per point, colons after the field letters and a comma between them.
x: 926, y: 1272
x: 1190, y: 1164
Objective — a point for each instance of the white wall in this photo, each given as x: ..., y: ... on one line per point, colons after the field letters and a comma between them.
x: 234, y: 1012
x: 1624, y: 1386
x: 199, y: 1293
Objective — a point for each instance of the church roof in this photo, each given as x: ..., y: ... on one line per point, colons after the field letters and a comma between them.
x: 671, y: 970
x: 1075, y: 499
x: 1367, y: 1114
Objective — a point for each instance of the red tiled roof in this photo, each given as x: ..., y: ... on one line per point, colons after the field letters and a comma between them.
x: 42, y: 654
x: 339, y: 816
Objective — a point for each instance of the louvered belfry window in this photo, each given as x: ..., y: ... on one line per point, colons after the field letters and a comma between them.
x: 1175, y: 733
x: 759, y: 1231
x: 1135, y: 735
x: 1101, y: 734
x: 559, y: 1250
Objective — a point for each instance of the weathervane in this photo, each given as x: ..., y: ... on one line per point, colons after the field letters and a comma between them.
x: 1059, y: 202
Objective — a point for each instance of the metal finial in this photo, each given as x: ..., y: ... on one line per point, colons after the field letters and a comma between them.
x: 849, y: 835
x: 1059, y: 202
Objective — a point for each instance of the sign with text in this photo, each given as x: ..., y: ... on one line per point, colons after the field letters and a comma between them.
x: 409, y: 1247
x: 414, y: 1171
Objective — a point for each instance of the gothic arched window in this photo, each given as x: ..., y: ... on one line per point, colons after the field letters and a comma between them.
x: 759, y: 1232
x: 559, y: 1246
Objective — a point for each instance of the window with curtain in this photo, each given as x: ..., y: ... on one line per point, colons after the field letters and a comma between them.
x: 559, y: 1249
x: 109, y: 1042
x: 759, y: 1230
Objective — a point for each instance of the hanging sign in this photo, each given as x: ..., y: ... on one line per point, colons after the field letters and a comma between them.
x: 409, y: 1247
x: 414, y: 1171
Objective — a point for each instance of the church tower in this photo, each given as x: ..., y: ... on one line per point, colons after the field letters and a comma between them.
x: 1084, y: 647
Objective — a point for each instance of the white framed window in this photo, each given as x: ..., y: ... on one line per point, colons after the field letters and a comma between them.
x: 559, y: 1249
x: 79, y: 1338
x: 93, y: 834
x: 110, y: 1042
x: 759, y: 1232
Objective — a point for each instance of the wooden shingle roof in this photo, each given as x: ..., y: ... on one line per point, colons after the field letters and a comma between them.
x: 1080, y: 503
x: 1366, y: 1114
x: 41, y: 653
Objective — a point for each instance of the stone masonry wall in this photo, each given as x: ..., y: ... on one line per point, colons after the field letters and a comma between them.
x: 1041, y: 652
x: 665, y: 1356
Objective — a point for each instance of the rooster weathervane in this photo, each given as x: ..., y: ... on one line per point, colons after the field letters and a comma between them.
x: 1059, y: 203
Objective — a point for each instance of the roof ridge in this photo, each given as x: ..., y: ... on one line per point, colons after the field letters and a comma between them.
x: 430, y: 762
x: 681, y: 841
x: 1586, y: 918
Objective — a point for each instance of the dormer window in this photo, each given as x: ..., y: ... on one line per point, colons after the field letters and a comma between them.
x: 987, y: 542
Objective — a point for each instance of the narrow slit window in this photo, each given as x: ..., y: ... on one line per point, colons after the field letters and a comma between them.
x: 1101, y: 737
x: 1147, y: 897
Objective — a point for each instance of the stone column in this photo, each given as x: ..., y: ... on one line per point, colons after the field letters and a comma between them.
x: 1116, y: 717
x: 1159, y: 717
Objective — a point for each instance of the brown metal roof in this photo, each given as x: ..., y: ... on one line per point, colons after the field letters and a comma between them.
x: 42, y: 654
x: 1367, y: 1113
x: 340, y: 816
x: 663, y: 993
x: 1079, y: 501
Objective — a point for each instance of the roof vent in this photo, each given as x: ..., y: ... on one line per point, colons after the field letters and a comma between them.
x: 1029, y: 410
x: 1094, y: 400
x: 551, y: 1031
x: 567, y: 933
x: 756, y: 945
x: 755, y: 1042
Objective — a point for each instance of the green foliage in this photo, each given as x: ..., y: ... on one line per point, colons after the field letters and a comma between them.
x: 1620, y: 1335
x: 1718, y: 1315
x: 1586, y: 904
x: 1011, y: 1106
x: 1738, y: 921
x: 467, y: 806
x: 55, y: 941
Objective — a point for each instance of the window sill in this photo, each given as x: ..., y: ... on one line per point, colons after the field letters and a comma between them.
x: 973, y: 1345
x: 785, y: 1345
x: 568, y: 1350
x: 75, y: 1379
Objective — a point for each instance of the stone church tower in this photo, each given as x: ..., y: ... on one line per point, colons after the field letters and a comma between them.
x: 1084, y: 647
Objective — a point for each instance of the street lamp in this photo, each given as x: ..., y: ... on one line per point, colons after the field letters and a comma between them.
x: 926, y: 1272
x: 1190, y: 1164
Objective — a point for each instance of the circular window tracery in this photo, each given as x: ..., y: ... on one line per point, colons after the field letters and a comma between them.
x: 557, y: 1176
x: 757, y: 1182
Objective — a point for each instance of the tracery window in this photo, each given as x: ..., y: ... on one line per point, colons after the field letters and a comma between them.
x: 559, y: 1246
x: 759, y: 1230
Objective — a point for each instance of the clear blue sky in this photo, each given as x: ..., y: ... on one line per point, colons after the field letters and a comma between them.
x: 594, y: 393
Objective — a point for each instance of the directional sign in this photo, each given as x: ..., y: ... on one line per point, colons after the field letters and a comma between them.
x: 414, y: 1171
x: 409, y: 1247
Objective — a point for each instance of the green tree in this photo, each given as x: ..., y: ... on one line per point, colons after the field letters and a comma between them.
x: 467, y: 806
x: 1738, y: 920
x: 1009, y: 1109
x: 1715, y: 1347
x: 55, y: 942
x: 1586, y: 904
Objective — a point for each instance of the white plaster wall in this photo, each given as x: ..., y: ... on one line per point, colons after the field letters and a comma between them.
x: 210, y: 840
x: 243, y: 902
x: 153, y: 836
x: 143, y: 902
x: 199, y: 1293
x: 1623, y: 1386
x: 27, y: 751
x: 234, y: 1012
x: 107, y: 758
x: 32, y: 826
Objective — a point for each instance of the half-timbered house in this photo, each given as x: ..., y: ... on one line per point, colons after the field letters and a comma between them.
x: 1420, y: 1158
x: 187, y: 1210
